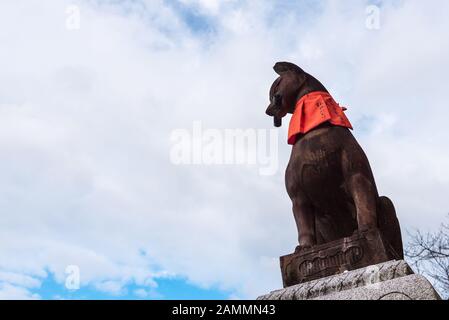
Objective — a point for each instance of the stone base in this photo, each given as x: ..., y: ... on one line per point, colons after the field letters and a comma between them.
x: 393, y: 280
x: 360, y: 250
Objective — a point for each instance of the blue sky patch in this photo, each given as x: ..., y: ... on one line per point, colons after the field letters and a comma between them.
x: 167, y: 288
x: 197, y: 22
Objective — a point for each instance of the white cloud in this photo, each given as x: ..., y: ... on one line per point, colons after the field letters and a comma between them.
x: 19, y: 279
x: 147, y: 294
x: 11, y: 292
x: 86, y: 116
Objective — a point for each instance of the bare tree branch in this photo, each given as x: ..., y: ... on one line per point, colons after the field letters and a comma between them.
x: 429, y: 254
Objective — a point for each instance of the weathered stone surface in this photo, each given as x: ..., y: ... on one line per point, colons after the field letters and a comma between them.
x: 412, y: 287
x: 360, y: 250
x: 393, y: 280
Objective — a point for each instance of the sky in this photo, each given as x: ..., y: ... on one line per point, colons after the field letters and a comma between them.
x: 115, y: 125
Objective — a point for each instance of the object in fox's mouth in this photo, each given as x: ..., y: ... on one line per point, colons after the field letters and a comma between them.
x: 277, y: 122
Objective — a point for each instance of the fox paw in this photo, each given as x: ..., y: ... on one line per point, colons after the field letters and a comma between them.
x: 301, y: 248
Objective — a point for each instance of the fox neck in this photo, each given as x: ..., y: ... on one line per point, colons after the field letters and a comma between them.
x: 311, y: 85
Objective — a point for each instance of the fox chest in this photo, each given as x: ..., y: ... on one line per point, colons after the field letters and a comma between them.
x: 314, y: 171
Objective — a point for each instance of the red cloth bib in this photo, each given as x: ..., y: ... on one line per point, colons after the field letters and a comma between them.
x: 312, y: 110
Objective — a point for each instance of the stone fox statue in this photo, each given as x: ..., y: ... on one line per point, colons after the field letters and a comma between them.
x: 328, y: 178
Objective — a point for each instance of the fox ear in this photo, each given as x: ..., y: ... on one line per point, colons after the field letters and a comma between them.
x: 283, y: 67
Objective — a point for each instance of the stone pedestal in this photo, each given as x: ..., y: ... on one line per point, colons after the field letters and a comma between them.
x: 392, y: 280
x: 360, y: 250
